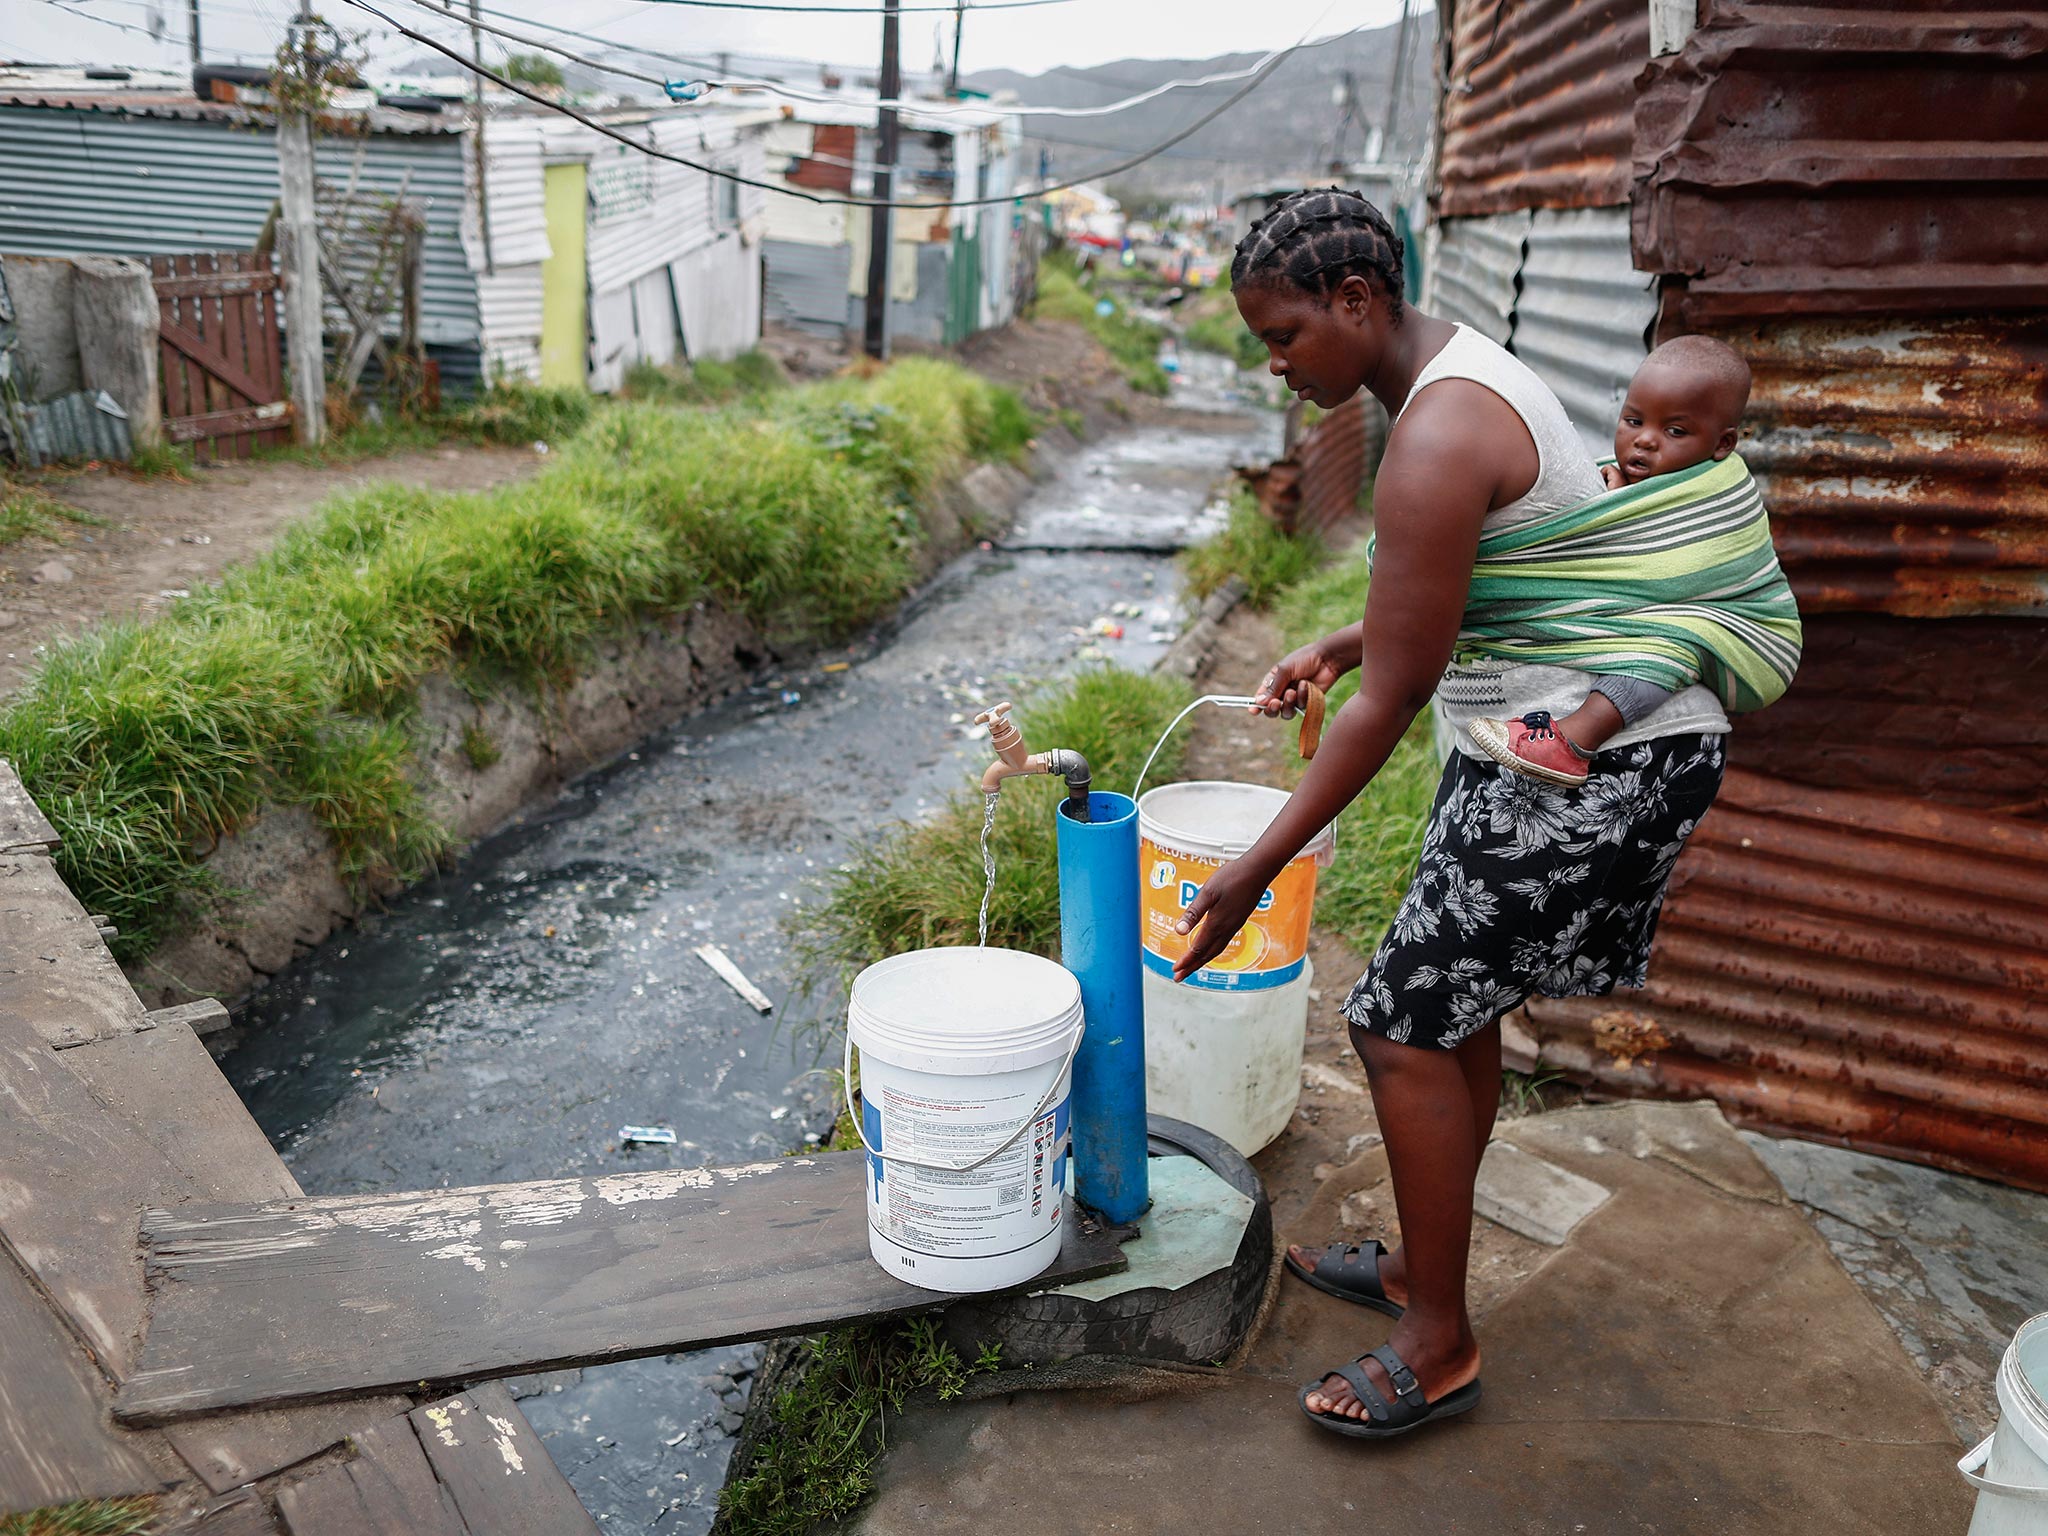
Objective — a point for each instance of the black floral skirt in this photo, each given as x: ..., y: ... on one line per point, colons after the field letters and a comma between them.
x: 1526, y: 887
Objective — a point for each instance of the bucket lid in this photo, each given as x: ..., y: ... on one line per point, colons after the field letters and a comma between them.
x: 1217, y: 818
x: 964, y: 1010
x: 2023, y: 1386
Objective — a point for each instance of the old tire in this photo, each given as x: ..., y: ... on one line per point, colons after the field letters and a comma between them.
x: 1198, y: 1324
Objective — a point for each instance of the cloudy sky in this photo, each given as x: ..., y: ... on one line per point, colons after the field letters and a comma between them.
x: 1078, y: 32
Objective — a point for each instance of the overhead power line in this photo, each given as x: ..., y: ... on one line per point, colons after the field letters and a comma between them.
x: 855, y: 10
x: 814, y: 197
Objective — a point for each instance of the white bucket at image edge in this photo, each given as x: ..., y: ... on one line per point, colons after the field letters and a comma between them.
x: 2010, y: 1469
x: 1186, y: 832
x: 958, y: 1048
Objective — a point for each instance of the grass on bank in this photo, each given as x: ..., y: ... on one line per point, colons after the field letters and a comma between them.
x: 1132, y: 342
x: 1212, y: 324
x: 86, y: 1517
x: 830, y: 1426
x: 293, y: 681
x: 1252, y: 546
x: 30, y: 512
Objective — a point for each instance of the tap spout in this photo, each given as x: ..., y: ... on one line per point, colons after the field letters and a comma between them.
x: 1011, y: 759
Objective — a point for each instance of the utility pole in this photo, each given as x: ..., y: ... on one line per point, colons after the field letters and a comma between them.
x: 299, y: 246
x: 953, y: 76
x: 1398, y: 84
x: 192, y: 28
x: 476, y: 135
x: 881, y: 230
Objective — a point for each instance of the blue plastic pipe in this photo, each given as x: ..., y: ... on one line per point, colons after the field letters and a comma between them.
x: 1099, y: 944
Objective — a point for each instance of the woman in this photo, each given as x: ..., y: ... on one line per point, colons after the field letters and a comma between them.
x: 1522, y: 887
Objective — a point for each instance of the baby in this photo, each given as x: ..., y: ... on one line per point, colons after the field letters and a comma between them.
x: 1682, y: 409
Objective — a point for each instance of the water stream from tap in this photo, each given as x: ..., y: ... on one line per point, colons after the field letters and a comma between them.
x: 988, y: 860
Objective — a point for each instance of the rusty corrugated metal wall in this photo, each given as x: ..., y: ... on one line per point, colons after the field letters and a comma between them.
x: 1859, y: 968
x: 1850, y: 195
x: 1860, y: 159
x: 1539, y: 111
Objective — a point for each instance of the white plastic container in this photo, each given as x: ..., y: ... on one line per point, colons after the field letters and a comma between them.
x: 1186, y: 832
x: 1229, y: 1062
x: 966, y: 1061
x: 2010, y: 1469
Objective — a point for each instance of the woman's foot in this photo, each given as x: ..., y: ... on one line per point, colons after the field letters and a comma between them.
x: 1393, y: 1268
x: 1442, y: 1363
x: 1534, y: 747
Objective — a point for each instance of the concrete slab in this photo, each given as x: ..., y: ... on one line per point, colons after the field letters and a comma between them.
x: 1953, y: 1263
x: 1537, y: 1199
x: 1691, y: 1360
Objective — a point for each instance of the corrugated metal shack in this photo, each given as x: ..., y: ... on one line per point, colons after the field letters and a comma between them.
x: 951, y: 270
x: 1856, y: 946
x: 671, y: 255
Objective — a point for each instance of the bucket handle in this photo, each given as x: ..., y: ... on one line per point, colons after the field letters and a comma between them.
x: 1227, y: 700
x: 1971, y: 1466
x: 860, y: 1128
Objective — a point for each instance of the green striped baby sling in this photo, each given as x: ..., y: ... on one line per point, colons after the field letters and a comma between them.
x: 1673, y: 580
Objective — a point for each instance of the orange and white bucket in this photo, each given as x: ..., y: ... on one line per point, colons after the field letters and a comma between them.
x: 1186, y: 832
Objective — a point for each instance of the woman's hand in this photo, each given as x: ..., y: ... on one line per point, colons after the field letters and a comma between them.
x: 1320, y: 662
x: 1221, y: 906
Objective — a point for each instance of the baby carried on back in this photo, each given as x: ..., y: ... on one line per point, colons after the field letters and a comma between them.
x: 1667, y: 579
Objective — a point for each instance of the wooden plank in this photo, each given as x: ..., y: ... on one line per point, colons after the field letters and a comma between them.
x: 233, y: 346
x: 243, y: 1515
x: 386, y: 1490
x: 56, y: 1443
x: 206, y: 351
x: 495, y: 1468
x: 55, y: 973
x: 165, y: 1083
x: 203, y: 1017
x: 227, y: 424
x: 306, y: 1298
x: 23, y: 828
x: 228, y: 1450
x: 224, y: 284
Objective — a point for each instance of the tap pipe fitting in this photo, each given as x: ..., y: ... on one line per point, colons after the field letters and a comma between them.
x: 1011, y: 759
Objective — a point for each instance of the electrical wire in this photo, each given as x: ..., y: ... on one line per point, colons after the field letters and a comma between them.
x: 922, y: 108
x: 849, y: 202
x: 858, y: 10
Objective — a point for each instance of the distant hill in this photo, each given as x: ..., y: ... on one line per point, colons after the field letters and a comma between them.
x: 1290, y: 125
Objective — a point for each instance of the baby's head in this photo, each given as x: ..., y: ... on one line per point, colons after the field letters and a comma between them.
x: 1682, y: 408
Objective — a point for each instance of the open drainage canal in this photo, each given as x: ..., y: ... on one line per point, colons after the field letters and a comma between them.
x: 504, y: 1022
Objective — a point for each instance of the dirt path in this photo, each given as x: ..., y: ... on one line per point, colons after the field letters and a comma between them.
x: 162, y: 538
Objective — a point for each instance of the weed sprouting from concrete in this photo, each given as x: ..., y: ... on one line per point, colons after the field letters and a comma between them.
x: 85, y: 1517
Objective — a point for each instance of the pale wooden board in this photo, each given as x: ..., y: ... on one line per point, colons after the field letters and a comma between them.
x: 230, y: 1449
x: 55, y: 972
x: 263, y: 1304
x: 22, y: 825
x: 56, y: 1443
x: 386, y: 1489
x: 492, y: 1463
x: 164, y: 1082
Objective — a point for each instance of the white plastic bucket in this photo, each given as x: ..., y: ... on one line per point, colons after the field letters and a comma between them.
x: 1186, y: 832
x: 966, y: 1064
x: 2009, y: 1470
x: 1229, y: 1062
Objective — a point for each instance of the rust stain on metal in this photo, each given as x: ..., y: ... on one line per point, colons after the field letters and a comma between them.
x: 1540, y: 106
x: 1321, y: 477
x: 1846, y: 159
x: 1864, y: 969
x: 1905, y: 461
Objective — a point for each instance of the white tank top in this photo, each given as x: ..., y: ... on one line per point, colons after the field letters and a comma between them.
x: 1565, y: 476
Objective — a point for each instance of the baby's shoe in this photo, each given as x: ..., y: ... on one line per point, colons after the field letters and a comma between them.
x: 1533, y: 747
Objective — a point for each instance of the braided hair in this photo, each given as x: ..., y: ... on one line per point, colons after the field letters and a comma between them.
x: 1313, y: 240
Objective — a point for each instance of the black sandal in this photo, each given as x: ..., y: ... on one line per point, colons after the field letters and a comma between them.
x: 1351, y: 1273
x: 1409, y: 1410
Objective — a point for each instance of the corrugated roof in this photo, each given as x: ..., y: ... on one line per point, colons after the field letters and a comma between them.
x: 1847, y: 159
x: 183, y: 106
x: 1540, y: 107
x: 1862, y: 969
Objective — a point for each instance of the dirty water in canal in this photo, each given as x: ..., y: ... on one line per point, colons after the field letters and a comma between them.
x: 503, y: 1022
